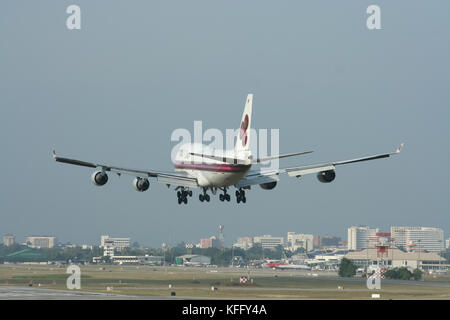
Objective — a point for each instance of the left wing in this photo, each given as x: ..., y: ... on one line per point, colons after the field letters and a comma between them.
x: 176, y: 178
x: 259, y: 177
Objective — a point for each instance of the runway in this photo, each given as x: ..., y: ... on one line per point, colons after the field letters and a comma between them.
x: 36, y: 293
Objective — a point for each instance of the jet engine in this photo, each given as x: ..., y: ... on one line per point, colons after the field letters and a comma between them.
x: 141, y: 184
x: 99, y: 178
x: 326, y: 176
x: 268, y: 185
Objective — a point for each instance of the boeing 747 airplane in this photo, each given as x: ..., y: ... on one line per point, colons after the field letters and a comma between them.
x: 218, y: 171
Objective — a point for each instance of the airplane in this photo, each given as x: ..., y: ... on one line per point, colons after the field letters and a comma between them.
x: 219, y: 171
x: 292, y: 267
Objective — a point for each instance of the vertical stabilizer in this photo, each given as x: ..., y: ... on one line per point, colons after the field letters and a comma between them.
x: 242, y: 147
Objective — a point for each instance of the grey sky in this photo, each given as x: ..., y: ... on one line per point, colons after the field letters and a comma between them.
x: 116, y: 89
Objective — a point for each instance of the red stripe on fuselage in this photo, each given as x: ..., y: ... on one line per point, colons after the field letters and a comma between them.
x: 217, y: 167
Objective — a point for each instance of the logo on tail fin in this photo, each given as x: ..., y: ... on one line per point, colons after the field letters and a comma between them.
x: 243, y: 132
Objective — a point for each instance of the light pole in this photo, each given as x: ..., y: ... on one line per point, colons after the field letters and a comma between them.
x: 418, y: 262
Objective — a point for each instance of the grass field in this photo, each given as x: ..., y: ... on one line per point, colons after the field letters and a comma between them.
x: 197, y: 283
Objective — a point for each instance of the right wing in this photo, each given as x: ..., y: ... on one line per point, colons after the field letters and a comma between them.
x: 259, y: 177
x: 175, y: 178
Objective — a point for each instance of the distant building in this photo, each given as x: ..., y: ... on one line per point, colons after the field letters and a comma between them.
x: 108, y: 243
x: 418, y: 238
x: 211, y: 242
x: 41, y: 242
x: 295, y: 241
x: 9, y: 239
x: 359, y: 237
x: 447, y: 243
x: 244, y: 243
x: 268, y: 242
x: 326, y: 241
x: 395, y: 258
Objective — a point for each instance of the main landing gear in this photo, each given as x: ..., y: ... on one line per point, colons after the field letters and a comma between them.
x: 204, y: 196
x: 182, y: 195
x: 225, y: 195
x: 240, y: 196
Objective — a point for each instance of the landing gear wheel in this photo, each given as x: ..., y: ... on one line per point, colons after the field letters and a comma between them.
x: 201, y: 198
x: 207, y: 198
x: 227, y: 197
x: 185, y: 200
x: 244, y: 199
x: 221, y: 197
x: 179, y: 200
x: 190, y: 193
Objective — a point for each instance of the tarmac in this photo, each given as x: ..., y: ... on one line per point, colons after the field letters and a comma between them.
x: 36, y: 293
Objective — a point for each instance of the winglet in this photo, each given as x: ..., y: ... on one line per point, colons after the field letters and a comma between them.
x: 54, y: 152
x: 399, y: 148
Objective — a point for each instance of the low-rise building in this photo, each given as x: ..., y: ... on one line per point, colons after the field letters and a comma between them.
x: 299, y: 240
x: 268, y: 242
x: 211, y: 242
x: 9, y: 239
x: 395, y: 258
x: 244, y: 243
x: 41, y: 242
x: 117, y: 243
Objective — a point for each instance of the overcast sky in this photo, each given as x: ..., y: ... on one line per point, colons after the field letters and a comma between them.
x: 115, y: 90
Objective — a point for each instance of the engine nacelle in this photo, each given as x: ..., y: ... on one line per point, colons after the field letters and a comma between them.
x: 99, y: 178
x: 268, y: 185
x: 326, y: 176
x: 140, y: 184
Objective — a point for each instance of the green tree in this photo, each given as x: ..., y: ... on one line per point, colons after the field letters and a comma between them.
x: 417, y: 274
x: 399, y: 273
x: 347, y: 268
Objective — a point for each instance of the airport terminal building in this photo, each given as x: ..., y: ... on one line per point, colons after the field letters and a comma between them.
x: 395, y: 258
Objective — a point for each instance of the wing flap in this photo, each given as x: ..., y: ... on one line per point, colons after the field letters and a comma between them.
x: 255, y: 178
x: 300, y: 171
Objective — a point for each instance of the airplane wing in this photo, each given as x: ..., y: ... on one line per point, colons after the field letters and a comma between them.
x: 259, y: 177
x: 236, y: 160
x: 175, y: 178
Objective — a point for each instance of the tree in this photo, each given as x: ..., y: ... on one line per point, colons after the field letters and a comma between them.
x: 417, y: 274
x: 347, y: 268
x: 399, y: 273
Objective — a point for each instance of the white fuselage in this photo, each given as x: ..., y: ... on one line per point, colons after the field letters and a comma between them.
x: 210, y: 172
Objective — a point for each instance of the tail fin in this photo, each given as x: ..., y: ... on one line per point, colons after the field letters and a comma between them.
x: 243, y: 139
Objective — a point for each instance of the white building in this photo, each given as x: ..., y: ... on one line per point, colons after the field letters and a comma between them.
x: 447, y: 243
x: 395, y: 258
x: 41, y: 242
x: 295, y: 241
x: 268, y: 242
x: 116, y: 243
x: 418, y: 238
x: 9, y: 239
x: 244, y: 243
x: 359, y: 237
